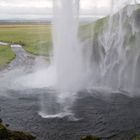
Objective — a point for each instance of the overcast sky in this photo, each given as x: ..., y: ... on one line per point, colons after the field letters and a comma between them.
x: 42, y: 8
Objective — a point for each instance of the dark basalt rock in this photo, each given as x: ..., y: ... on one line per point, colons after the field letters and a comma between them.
x: 0, y: 120
x: 90, y: 138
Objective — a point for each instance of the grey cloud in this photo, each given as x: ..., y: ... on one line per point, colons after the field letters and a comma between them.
x: 23, y: 1
x: 25, y: 10
x: 13, y: 10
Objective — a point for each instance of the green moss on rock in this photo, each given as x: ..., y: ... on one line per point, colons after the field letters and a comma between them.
x: 16, y: 135
x: 90, y: 138
x: 136, y: 137
x: 6, y: 134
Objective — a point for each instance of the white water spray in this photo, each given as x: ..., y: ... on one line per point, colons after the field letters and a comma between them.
x: 67, y: 59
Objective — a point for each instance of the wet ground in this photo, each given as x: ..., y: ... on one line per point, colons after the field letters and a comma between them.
x: 114, y: 117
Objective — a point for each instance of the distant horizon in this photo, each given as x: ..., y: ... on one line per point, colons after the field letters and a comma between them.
x: 43, y: 8
x: 48, y: 18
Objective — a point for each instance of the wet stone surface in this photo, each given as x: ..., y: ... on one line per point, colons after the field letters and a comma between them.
x: 116, y: 117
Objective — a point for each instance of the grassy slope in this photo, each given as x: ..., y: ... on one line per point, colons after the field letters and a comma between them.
x: 36, y: 39
x: 92, y: 30
x: 6, y: 55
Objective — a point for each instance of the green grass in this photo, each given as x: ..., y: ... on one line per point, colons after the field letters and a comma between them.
x: 92, y: 30
x: 35, y: 39
x: 6, y: 55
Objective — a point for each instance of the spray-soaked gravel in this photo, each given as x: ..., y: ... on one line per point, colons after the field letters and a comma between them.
x: 116, y: 117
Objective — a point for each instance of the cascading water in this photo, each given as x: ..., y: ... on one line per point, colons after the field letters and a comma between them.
x: 67, y: 62
x: 120, y: 42
x: 108, y: 58
x: 67, y: 51
x: 113, y: 51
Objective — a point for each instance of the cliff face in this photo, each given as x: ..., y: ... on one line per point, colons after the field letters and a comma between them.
x: 114, y: 46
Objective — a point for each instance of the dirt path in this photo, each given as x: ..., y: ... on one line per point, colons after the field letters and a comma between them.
x: 23, y: 59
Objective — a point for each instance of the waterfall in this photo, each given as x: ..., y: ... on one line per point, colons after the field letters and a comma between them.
x: 107, y: 60
x: 120, y: 65
x: 108, y: 57
x: 67, y: 63
x: 67, y: 52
